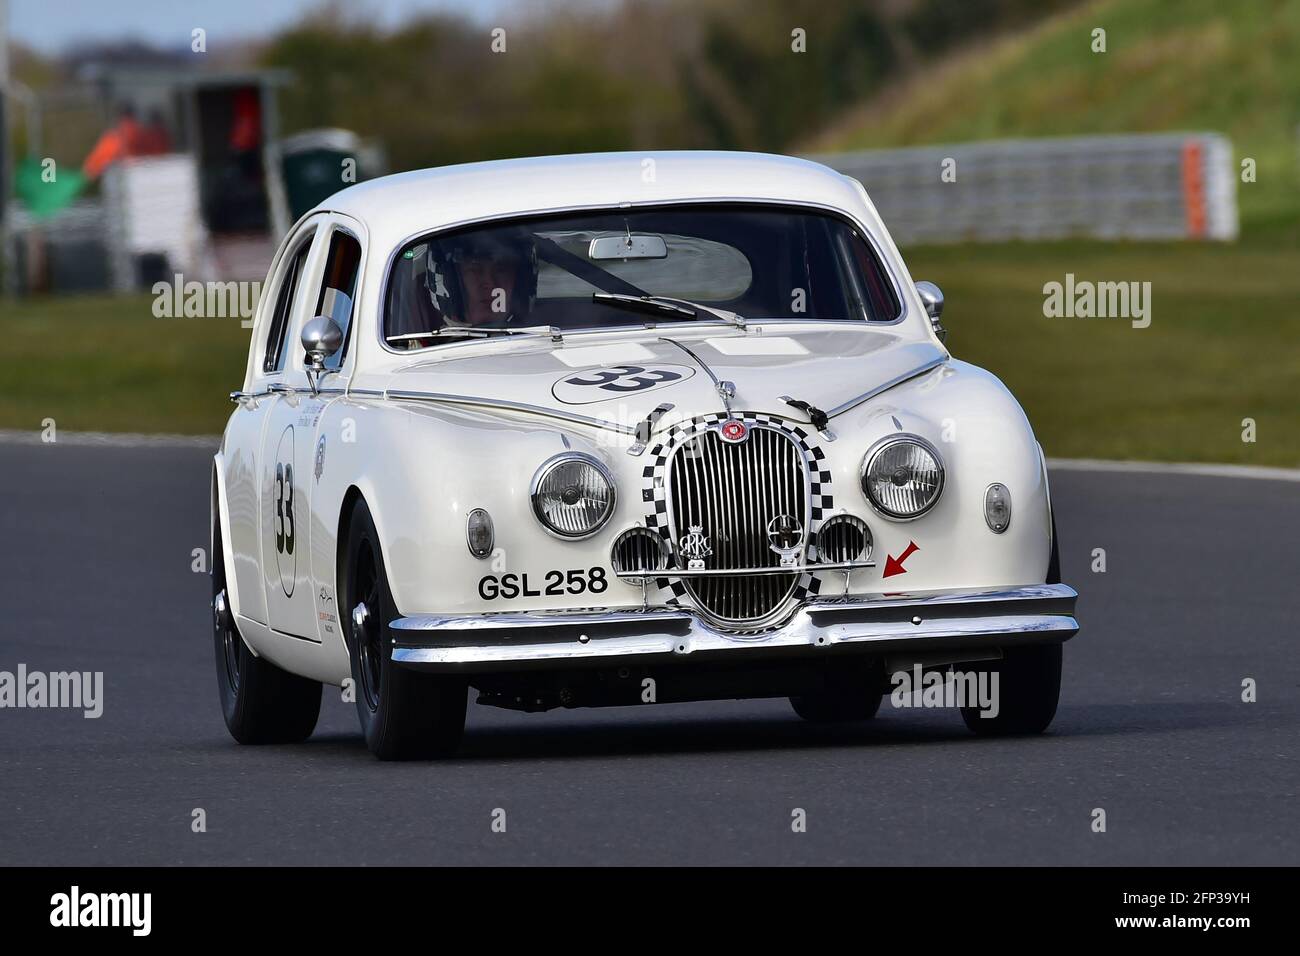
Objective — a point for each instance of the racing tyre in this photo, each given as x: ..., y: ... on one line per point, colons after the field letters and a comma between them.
x: 1029, y: 684
x: 851, y: 693
x: 405, y: 715
x: 1029, y: 679
x: 262, y: 704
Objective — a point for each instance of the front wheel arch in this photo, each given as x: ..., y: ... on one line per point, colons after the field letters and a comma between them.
x: 219, y: 525
x: 347, y: 507
x: 344, y: 524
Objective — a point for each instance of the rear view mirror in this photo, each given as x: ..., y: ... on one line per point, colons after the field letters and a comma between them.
x: 932, y: 298
x: 628, y: 247
x: 321, y: 338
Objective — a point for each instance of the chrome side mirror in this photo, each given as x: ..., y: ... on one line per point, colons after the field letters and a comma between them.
x: 321, y: 338
x: 932, y: 298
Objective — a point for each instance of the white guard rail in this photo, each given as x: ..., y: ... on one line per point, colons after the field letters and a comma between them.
x: 1151, y: 187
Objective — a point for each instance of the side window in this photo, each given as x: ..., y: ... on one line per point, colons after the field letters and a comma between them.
x: 275, y: 346
x: 882, y: 303
x: 863, y: 277
x: 338, y: 288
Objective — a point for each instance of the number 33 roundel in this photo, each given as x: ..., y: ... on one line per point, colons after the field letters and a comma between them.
x: 284, y: 519
x: 602, y: 384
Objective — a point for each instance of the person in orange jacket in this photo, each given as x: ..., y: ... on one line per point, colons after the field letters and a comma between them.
x: 126, y: 138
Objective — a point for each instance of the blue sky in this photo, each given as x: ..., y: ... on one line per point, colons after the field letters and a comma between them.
x: 50, y: 25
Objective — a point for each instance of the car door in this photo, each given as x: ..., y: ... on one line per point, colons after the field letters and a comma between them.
x: 327, y: 286
x: 243, y: 441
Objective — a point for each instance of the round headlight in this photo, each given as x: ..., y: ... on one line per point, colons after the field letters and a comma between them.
x: 902, y: 476
x: 573, y: 495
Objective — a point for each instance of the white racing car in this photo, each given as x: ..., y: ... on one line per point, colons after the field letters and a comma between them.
x: 617, y: 429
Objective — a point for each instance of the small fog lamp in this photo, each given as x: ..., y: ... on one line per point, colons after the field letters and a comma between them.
x: 479, y: 534
x: 997, y: 507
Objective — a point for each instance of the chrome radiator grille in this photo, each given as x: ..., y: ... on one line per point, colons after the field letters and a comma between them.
x: 731, y: 491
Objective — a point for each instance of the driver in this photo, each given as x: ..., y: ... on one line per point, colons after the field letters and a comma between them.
x: 495, y: 282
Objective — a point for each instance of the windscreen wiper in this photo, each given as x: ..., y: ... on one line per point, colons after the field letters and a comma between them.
x: 665, y: 306
x: 644, y: 303
x: 447, y: 332
x: 726, y: 315
x: 475, y: 332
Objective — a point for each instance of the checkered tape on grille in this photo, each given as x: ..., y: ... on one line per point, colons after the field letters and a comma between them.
x: 655, y: 488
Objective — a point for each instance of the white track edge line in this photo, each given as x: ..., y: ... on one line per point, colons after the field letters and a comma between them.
x: 109, y: 439
x: 1204, y: 469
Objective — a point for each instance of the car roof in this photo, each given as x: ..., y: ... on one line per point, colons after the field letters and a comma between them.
x: 398, y: 207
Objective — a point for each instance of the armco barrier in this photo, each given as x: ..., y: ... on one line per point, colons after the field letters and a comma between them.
x: 1154, y: 186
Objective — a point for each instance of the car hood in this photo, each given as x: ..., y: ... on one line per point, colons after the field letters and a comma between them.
x: 621, y: 380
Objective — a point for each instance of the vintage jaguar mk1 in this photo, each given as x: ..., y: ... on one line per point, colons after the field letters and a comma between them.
x: 617, y: 429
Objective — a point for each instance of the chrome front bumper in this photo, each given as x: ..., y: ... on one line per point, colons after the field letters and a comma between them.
x: 962, y: 620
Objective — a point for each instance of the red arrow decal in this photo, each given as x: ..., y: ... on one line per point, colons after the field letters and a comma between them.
x: 895, y: 565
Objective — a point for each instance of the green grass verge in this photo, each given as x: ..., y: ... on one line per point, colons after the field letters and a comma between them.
x: 104, y: 363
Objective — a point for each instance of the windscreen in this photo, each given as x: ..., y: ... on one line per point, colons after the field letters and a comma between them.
x: 760, y: 262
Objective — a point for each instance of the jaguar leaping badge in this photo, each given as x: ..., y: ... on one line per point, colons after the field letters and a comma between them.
x: 694, y: 547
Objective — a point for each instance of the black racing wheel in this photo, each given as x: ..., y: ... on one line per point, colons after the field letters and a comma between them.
x: 261, y: 703
x: 405, y: 715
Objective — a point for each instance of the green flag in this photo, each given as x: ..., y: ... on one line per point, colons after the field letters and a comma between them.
x: 46, y: 193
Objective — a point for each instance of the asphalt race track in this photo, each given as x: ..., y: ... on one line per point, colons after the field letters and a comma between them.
x: 1200, y: 592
